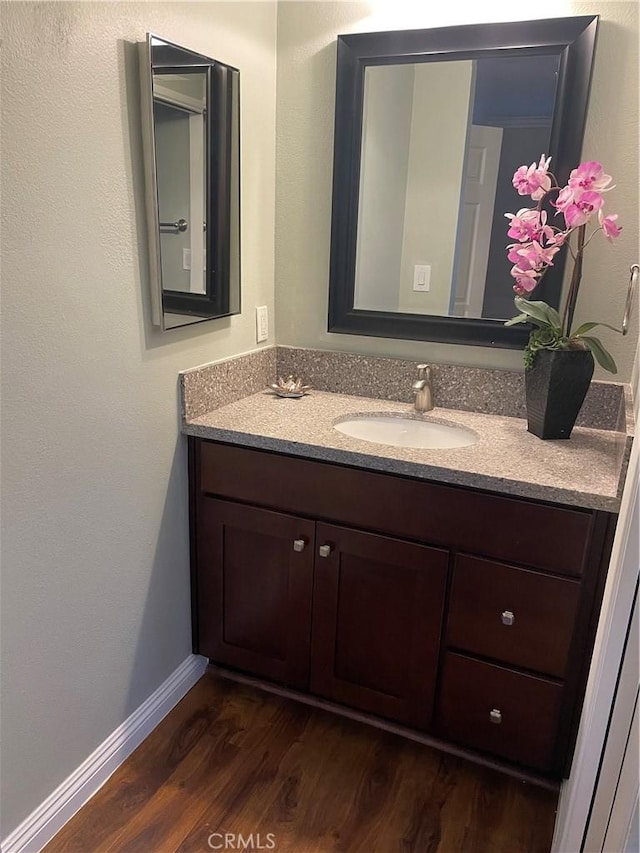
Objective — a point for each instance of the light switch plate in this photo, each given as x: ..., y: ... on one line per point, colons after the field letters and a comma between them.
x: 262, y: 324
x: 422, y: 278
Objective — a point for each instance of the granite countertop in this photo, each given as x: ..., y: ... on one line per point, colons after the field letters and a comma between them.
x: 586, y: 471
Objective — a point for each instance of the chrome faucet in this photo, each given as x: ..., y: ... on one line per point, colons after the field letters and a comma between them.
x: 422, y: 390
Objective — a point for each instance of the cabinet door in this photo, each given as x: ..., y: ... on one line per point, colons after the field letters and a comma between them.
x: 377, y: 619
x: 255, y: 583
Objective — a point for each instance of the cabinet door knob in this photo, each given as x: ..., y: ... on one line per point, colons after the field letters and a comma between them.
x: 324, y: 550
x: 495, y: 716
x: 508, y: 617
x: 298, y: 544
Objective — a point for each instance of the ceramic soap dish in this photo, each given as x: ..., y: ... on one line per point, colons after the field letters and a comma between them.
x: 291, y: 387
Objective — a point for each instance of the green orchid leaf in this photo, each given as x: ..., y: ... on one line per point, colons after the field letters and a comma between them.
x: 521, y: 318
x: 542, y: 324
x: 539, y: 311
x: 554, y: 317
x: 601, y: 355
x: 586, y: 327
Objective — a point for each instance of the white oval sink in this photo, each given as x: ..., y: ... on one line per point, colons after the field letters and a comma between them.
x: 406, y: 432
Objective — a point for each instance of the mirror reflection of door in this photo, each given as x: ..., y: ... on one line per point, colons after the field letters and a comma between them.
x: 179, y: 106
x: 476, y: 218
x: 440, y: 143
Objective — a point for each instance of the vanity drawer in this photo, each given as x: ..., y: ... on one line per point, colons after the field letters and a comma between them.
x: 514, y: 615
x: 499, y: 711
x: 413, y: 509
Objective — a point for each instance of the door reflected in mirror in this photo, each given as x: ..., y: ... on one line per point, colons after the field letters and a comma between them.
x: 179, y: 106
x: 191, y: 136
x: 440, y: 143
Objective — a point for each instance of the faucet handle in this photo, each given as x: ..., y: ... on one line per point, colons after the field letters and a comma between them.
x: 424, y: 371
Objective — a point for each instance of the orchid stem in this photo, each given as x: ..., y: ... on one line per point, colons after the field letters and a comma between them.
x: 574, y: 286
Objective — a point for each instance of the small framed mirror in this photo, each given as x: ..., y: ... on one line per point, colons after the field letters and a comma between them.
x: 430, y: 126
x: 191, y: 139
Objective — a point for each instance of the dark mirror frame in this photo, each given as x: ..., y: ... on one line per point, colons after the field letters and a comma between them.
x: 571, y: 39
x: 222, y: 159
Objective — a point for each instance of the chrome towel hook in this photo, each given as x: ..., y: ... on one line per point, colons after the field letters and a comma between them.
x: 634, y: 269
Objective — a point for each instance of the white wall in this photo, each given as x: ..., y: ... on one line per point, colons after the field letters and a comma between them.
x: 307, y: 34
x: 386, y: 134
x: 95, y: 586
x: 441, y: 96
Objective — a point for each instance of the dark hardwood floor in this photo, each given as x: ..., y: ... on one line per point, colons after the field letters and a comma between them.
x: 233, y: 759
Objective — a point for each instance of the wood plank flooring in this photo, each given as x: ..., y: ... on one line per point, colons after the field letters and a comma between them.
x: 287, y: 777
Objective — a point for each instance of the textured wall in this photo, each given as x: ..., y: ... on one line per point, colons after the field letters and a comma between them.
x: 307, y: 34
x: 95, y: 611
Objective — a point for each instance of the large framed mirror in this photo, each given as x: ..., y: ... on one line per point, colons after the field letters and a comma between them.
x: 191, y: 137
x: 430, y: 126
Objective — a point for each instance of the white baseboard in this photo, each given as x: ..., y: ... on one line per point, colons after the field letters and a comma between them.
x: 51, y: 815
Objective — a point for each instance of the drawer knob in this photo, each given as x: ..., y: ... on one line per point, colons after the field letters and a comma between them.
x: 495, y: 716
x: 324, y: 550
x: 508, y: 617
x: 298, y: 544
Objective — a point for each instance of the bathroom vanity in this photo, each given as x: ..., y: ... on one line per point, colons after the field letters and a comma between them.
x: 411, y: 587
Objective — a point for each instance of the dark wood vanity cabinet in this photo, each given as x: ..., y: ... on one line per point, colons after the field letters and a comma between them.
x: 464, y: 615
x: 356, y: 619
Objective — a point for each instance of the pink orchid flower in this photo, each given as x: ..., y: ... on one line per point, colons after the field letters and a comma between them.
x: 542, y: 256
x: 538, y: 243
x: 532, y: 255
x: 608, y: 225
x: 522, y: 289
x: 533, y: 180
x: 580, y: 211
x: 589, y: 176
x: 565, y: 198
x: 512, y: 254
x: 521, y: 255
x: 526, y: 280
x: 523, y: 224
x: 529, y: 224
x: 558, y: 238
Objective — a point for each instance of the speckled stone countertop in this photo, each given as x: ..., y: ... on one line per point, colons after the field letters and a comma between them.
x: 586, y: 471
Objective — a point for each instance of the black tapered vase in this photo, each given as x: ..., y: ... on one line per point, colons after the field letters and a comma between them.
x: 556, y: 386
